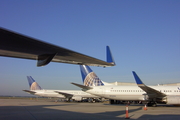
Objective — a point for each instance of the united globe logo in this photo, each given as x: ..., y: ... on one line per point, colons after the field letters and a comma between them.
x: 35, y: 86
x: 92, y: 80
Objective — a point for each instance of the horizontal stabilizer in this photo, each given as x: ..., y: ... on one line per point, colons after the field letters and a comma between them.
x: 82, y: 86
x: 67, y: 95
x: 29, y: 91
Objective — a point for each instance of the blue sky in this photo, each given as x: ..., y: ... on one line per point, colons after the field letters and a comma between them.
x: 144, y: 36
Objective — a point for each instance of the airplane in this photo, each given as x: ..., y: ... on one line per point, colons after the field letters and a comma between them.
x: 21, y: 46
x: 76, y: 95
x: 150, y: 94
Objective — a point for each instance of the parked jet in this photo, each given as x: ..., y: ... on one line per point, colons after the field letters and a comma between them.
x: 150, y: 94
x: 20, y: 46
x: 76, y: 95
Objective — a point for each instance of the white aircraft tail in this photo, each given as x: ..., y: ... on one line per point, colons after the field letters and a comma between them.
x: 32, y: 84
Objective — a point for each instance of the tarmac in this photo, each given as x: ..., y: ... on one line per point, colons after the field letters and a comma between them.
x: 27, y: 109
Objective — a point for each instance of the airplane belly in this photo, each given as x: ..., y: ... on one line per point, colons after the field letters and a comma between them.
x: 129, y: 97
x: 49, y: 95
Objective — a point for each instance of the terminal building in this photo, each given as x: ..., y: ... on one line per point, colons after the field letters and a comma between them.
x: 126, y: 83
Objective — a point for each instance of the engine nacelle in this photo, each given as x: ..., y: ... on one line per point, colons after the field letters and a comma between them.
x: 173, y: 100
x: 77, y: 98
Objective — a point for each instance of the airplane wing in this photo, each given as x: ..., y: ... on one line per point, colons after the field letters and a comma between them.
x: 150, y: 91
x: 19, y: 46
x: 67, y: 95
x: 29, y: 91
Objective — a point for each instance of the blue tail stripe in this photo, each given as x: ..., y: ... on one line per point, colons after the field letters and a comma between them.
x: 30, y: 80
x: 85, y: 70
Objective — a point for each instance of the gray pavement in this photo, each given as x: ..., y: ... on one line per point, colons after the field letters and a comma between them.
x: 26, y: 109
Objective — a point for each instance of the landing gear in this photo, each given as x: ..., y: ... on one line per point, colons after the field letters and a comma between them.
x: 152, y: 104
x: 115, y: 102
x: 111, y: 101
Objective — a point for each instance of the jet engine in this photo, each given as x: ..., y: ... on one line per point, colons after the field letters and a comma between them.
x: 173, y: 100
x: 77, y: 98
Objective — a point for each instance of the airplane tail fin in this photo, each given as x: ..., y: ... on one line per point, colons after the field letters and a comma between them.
x: 89, y: 77
x: 32, y: 84
x: 109, y: 56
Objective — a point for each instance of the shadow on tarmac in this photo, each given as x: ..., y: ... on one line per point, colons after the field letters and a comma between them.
x: 52, y: 112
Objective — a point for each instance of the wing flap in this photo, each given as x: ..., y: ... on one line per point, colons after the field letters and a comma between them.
x: 29, y: 91
x: 82, y: 86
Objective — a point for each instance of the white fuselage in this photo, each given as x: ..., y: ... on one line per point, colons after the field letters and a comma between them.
x: 130, y: 92
x: 52, y: 93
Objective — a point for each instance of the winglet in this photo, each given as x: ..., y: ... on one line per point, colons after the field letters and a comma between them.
x: 109, y: 56
x: 138, y: 80
x: 151, y: 92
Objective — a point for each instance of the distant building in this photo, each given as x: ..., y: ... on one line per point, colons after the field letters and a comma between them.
x: 170, y: 84
x: 122, y: 83
x: 126, y: 83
